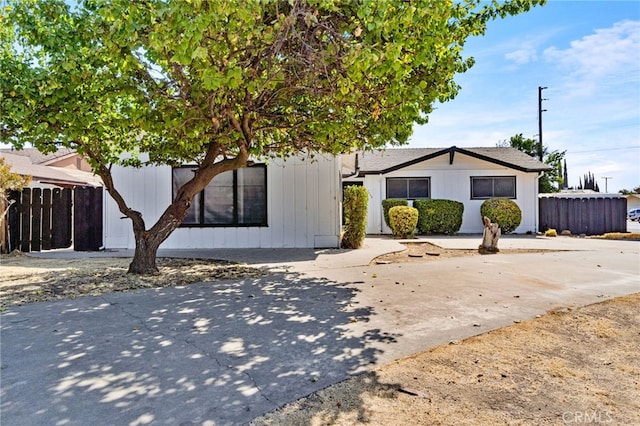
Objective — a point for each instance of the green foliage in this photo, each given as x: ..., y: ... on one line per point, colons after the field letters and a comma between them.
x: 635, y: 190
x: 553, y: 179
x: 356, y: 200
x: 439, y: 216
x: 9, y: 180
x: 504, y: 212
x: 213, y: 82
x: 391, y: 202
x: 403, y: 221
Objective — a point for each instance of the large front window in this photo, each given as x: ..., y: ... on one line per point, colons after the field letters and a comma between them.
x: 408, y: 188
x: 483, y: 187
x: 233, y: 198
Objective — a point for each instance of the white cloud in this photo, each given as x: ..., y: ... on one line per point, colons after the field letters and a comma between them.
x: 523, y: 55
x: 604, y: 57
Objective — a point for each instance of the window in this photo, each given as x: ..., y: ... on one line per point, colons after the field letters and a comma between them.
x: 490, y: 187
x: 234, y: 198
x: 409, y: 188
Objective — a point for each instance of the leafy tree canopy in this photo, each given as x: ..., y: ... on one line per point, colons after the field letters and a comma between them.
x: 552, y: 180
x: 635, y: 190
x: 213, y: 82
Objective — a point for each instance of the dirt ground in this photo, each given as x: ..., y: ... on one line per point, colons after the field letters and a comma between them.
x: 570, y: 367
x: 567, y: 367
x: 25, y: 279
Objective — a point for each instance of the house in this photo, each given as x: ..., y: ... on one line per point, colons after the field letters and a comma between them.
x: 272, y: 204
x: 62, y: 157
x: 467, y: 175
x: 63, y: 168
x: 633, y: 201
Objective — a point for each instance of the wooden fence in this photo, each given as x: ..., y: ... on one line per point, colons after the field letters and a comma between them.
x: 45, y: 219
x: 584, y: 215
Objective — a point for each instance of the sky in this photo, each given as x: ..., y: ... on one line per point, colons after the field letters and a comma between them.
x: 587, y: 54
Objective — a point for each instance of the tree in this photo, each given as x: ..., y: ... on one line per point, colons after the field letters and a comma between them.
x: 9, y: 181
x: 213, y: 83
x: 551, y: 181
x: 589, y: 182
x: 635, y: 190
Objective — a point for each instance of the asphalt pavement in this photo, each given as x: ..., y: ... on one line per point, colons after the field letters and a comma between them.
x: 225, y: 352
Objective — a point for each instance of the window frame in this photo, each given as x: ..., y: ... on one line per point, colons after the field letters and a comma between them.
x: 408, y: 178
x: 235, y: 223
x: 512, y: 178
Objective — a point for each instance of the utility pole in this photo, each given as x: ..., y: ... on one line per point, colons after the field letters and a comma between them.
x: 540, y: 111
x: 606, y: 181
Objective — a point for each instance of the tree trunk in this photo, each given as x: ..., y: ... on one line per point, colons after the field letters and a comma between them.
x: 490, y: 237
x: 144, y: 258
x: 148, y: 241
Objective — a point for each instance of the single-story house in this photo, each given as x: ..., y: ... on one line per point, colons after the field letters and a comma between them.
x: 46, y: 173
x: 633, y: 201
x: 272, y: 204
x: 467, y: 175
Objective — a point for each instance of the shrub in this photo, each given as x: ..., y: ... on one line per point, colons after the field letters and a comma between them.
x: 550, y: 233
x: 356, y: 199
x: 391, y: 202
x: 403, y: 221
x: 439, y: 216
x: 504, y: 212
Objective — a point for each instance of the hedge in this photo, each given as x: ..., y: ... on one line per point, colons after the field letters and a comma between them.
x: 439, y: 216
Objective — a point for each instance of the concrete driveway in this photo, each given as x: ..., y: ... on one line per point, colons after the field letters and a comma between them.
x: 226, y: 352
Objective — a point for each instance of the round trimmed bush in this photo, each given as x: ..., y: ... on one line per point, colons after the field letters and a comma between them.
x: 388, y: 203
x: 504, y: 212
x: 403, y: 221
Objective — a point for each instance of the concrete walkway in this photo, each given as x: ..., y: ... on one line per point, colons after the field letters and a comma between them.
x: 226, y: 352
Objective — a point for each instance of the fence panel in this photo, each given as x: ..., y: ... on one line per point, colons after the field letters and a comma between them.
x: 25, y: 221
x: 61, y: 218
x: 36, y: 219
x: 46, y: 219
x: 583, y: 215
x: 87, y: 214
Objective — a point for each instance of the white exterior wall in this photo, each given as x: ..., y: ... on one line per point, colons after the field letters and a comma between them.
x: 303, y: 208
x: 453, y: 182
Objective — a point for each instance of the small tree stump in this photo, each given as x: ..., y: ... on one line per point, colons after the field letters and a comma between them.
x: 490, y: 237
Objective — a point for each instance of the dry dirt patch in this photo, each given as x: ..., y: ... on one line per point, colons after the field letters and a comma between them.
x: 25, y: 279
x: 425, y: 252
x: 569, y: 367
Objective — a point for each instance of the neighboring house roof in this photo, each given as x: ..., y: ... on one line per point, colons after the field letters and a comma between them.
x: 37, y: 157
x: 22, y: 165
x: 376, y: 162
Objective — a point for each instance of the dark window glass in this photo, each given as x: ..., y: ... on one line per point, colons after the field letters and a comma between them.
x: 490, y: 187
x: 409, y: 188
x: 181, y: 176
x: 234, y: 198
x: 252, y: 198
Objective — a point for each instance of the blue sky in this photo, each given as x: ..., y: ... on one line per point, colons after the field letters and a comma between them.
x: 587, y: 54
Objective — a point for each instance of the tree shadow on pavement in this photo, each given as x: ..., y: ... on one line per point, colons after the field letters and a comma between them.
x: 222, y: 352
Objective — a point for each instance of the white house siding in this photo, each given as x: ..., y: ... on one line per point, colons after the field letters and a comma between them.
x: 453, y: 182
x: 303, y: 208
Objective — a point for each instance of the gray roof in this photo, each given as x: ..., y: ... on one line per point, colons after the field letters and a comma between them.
x: 389, y: 160
x: 22, y: 165
x: 36, y: 156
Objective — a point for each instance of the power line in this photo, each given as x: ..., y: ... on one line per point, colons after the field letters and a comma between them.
x: 604, y: 149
